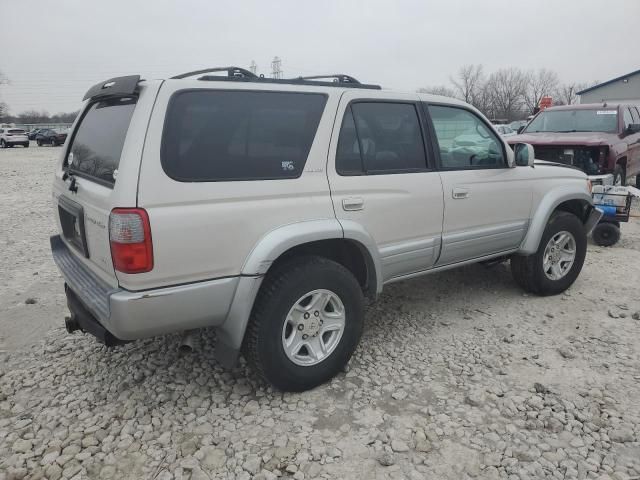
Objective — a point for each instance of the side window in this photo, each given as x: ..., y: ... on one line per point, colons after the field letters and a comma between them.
x: 380, y: 137
x: 217, y: 135
x: 465, y: 141
x: 628, y: 119
x: 635, y: 114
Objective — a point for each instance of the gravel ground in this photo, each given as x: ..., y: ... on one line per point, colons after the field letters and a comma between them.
x: 459, y: 375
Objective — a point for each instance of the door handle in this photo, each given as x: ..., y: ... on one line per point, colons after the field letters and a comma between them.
x: 352, y: 203
x: 460, y: 193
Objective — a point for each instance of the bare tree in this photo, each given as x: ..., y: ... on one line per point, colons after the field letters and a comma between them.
x: 439, y: 90
x: 468, y: 83
x: 539, y: 84
x: 567, y: 93
x: 506, y: 88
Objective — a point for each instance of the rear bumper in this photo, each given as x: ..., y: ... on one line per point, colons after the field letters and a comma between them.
x: 126, y: 315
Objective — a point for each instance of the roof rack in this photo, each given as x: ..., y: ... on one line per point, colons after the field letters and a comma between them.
x: 238, y: 74
x: 337, y: 78
x: 233, y: 72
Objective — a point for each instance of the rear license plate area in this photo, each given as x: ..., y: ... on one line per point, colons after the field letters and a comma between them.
x: 72, y: 223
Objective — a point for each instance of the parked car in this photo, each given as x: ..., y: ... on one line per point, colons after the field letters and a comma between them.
x: 504, y: 130
x: 597, y: 138
x: 48, y: 136
x: 33, y: 133
x: 518, y: 124
x: 13, y: 136
x: 270, y: 209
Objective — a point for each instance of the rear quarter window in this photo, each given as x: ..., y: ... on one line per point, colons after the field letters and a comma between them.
x: 98, y: 140
x: 215, y: 135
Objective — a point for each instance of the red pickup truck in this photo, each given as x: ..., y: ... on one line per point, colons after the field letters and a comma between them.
x: 596, y: 138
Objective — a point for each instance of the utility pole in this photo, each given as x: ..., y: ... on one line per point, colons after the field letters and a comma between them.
x: 276, y: 68
x: 253, y: 68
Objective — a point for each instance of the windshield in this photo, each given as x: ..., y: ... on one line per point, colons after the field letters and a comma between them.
x: 575, y: 121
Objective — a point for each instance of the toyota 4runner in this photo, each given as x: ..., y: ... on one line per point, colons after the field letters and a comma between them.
x: 270, y: 209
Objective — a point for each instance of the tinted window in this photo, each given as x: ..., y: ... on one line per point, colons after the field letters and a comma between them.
x: 380, y: 137
x: 464, y: 140
x: 239, y: 135
x: 635, y: 114
x: 98, y: 140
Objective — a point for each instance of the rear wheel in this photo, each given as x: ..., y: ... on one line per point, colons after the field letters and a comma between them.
x: 606, y: 234
x: 25, y: 145
x: 559, y: 259
x: 39, y: 142
x: 305, y: 324
x: 3, y: 144
x: 54, y: 143
x: 638, y: 180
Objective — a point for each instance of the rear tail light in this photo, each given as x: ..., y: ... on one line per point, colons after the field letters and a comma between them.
x: 130, y: 238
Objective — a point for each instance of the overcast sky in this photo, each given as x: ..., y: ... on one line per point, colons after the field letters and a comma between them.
x: 53, y: 51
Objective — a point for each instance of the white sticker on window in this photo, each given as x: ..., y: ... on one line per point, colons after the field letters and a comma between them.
x: 606, y: 112
x: 288, y: 165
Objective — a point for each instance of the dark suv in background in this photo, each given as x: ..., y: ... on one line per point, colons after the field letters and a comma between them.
x: 597, y: 138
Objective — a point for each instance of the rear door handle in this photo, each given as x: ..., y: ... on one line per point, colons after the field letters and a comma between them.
x: 352, y: 203
x: 460, y: 193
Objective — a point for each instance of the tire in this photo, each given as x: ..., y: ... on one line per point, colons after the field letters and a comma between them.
x: 619, y: 175
x: 39, y: 142
x: 2, y: 144
x: 25, y: 145
x: 54, y: 143
x: 285, y: 287
x: 529, y: 272
x: 606, y: 234
x: 638, y: 180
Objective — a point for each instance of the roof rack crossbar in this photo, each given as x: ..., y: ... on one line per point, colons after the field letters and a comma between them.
x: 233, y: 72
x: 337, y: 77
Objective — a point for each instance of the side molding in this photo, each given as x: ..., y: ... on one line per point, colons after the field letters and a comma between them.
x: 546, y: 207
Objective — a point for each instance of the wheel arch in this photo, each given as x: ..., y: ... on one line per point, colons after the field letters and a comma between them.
x: 352, y: 247
x: 562, y: 199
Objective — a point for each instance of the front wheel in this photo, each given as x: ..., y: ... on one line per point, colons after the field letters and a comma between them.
x: 305, y: 324
x: 2, y: 144
x: 559, y: 259
x: 39, y: 142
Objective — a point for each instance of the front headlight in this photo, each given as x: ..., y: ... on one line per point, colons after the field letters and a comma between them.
x: 589, y: 185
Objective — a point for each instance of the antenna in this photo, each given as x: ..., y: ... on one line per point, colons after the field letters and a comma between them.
x: 253, y: 68
x: 276, y: 68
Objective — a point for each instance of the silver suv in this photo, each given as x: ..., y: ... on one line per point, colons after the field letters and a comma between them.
x: 270, y: 209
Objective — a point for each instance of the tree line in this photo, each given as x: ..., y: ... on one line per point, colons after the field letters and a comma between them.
x: 32, y: 116
x: 508, y: 93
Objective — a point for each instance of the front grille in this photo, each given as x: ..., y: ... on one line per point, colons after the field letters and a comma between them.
x: 584, y: 158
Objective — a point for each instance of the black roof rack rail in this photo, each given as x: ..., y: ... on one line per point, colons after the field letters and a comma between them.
x: 233, y: 72
x: 337, y: 77
x: 118, y: 86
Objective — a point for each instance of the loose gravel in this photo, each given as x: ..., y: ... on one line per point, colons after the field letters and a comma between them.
x: 459, y: 375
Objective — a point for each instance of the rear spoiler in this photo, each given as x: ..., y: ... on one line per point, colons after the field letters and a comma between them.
x: 114, y: 87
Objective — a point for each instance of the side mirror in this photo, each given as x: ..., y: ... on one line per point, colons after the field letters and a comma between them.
x: 525, y: 155
x: 633, y: 128
x: 521, y: 128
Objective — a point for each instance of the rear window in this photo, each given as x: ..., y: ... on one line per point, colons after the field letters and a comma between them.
x: 15, y: 131
x: 239, y: 135
x: 97, y: 143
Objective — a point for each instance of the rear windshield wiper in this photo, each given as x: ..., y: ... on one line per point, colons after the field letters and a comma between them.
x: 572, y: 131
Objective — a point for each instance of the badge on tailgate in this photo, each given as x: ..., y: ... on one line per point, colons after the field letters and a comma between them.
x: 72, y: 222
